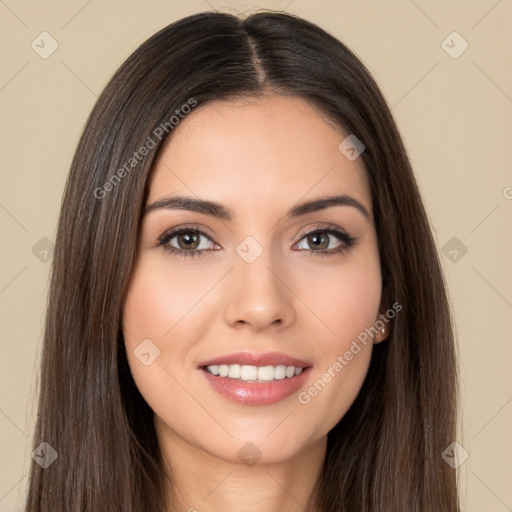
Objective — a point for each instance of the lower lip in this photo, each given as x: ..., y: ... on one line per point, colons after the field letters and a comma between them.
x: 257, y: 393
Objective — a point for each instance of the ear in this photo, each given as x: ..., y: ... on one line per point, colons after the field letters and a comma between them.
x: 383, y: 326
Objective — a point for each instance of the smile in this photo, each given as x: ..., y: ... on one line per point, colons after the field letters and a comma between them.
x: 253, y: 374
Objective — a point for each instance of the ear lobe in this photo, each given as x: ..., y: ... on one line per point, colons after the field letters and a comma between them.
x: 381, y: 335
x: 383, y: 331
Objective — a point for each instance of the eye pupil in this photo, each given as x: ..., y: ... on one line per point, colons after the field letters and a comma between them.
x: 188, y: 238
x: 315, y: 240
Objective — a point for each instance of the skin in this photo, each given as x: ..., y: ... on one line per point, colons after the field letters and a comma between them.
x: 259, y: 157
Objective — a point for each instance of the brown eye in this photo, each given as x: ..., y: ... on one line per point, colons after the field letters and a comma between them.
x: 188, y: 240
x: 319, y: 240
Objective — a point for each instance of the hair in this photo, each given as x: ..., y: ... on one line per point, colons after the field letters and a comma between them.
x: 385, y: 453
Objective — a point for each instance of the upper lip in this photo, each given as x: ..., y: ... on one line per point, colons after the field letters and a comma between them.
x: 252, y: 359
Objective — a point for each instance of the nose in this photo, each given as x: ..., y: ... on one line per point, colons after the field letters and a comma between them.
x: 258, y: 294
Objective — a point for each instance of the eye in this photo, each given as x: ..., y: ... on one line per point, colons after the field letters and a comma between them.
x: 321, y: 238
x: 188, y: 242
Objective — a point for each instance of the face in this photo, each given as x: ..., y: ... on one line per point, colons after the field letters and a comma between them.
x: 253, y: 274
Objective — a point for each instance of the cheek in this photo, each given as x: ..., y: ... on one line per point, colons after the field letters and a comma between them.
x: 346, y: 303
x: 343, y: 298
x: 150, y: 311
x: 355, y: 301
x: 165, y: 305
x: 162, y: 298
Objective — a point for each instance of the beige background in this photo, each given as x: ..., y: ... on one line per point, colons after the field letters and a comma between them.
x: 455, y: 116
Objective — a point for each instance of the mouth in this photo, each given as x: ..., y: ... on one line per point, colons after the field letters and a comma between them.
x: 253, y: 374
x: 256, y: 379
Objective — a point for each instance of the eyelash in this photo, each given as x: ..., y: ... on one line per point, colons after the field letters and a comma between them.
x: 342, y: 235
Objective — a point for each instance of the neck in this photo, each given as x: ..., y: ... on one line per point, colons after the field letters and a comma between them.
x: 202, y: 482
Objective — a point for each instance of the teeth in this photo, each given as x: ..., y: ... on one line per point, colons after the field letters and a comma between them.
x: 234, y: 371
x: 249, y: 373
x: 254, y: 373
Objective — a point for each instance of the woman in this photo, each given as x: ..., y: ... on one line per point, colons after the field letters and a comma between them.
x: 249, y: 375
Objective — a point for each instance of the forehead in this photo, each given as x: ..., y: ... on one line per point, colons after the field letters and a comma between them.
x: 256, y: 152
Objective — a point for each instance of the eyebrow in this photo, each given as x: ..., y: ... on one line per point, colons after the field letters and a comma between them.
x: 222, y: 212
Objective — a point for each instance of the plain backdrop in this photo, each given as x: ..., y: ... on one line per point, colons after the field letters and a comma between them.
x: 452, y: 103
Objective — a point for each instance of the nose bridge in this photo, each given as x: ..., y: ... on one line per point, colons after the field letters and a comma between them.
x: 258, y: 295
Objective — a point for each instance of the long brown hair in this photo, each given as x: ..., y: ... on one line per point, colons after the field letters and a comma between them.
x: 385, y: 453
